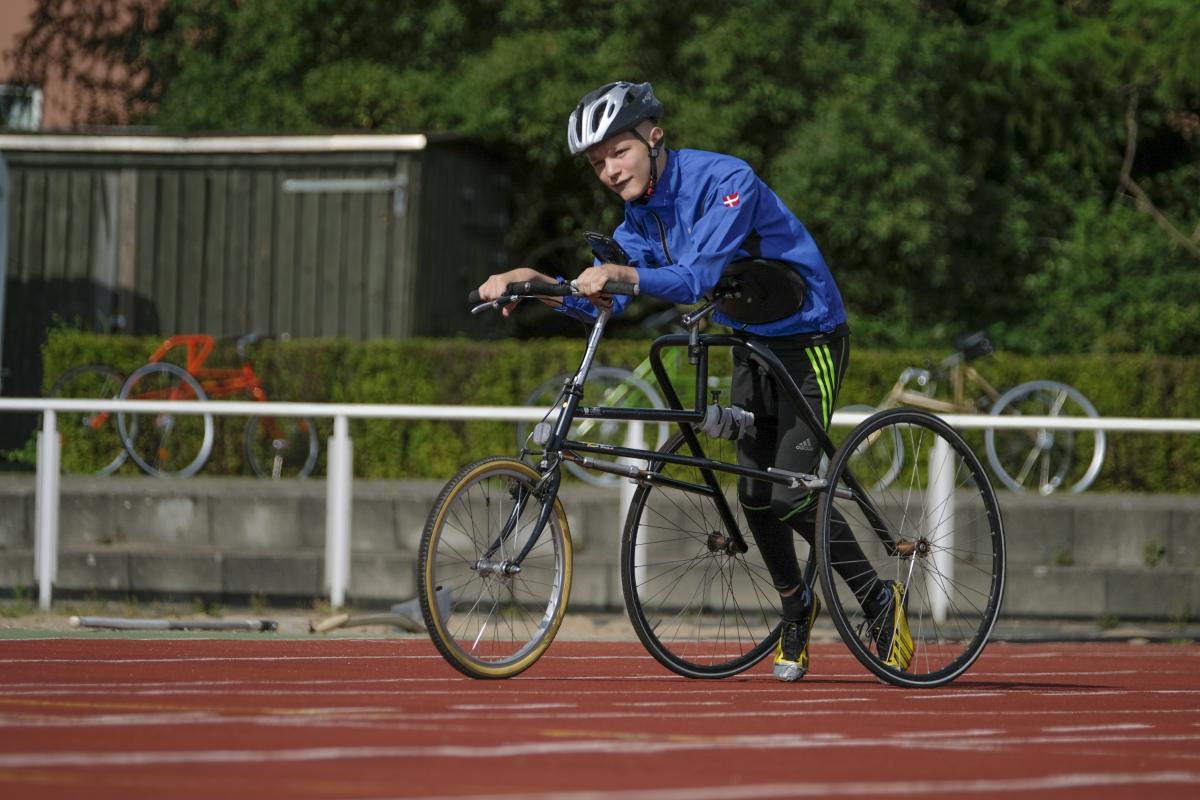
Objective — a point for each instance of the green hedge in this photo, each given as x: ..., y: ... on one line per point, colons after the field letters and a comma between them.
x: 467, y: 372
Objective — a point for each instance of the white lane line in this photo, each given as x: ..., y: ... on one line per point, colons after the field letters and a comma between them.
x: 669, y: 704
x: 296, y: 657
x: 546, y: 748
x: 1128, y: 726
x: 283, y: 657
x: 895, y: 788
x: 1171, y: 651
x: 389, y: 722
x: 232, y: 715
x: 807, y: 701
x: 508, y: 750
x: 402, y: 687
x: 500, y: 708
x: 1007, y: 676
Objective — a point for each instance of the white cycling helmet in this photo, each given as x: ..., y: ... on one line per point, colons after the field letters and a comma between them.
x: 613, y: 108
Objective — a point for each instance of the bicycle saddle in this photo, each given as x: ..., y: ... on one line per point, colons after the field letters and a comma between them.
x: 754, y: 291
x: 974, y: 345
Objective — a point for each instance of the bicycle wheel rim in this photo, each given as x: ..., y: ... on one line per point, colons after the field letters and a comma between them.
x: 881, y: 468
x: 487, y: 624
x: 281, y: 447
x: 943, y: 511
x: 701, y: 611
x: 1044, y: 461
x: 163, y: 444
x: 91, y: 441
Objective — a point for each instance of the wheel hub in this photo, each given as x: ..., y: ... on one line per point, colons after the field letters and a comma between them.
x: 909, y: 548
x: 488, y: 568
x: 718, y: 542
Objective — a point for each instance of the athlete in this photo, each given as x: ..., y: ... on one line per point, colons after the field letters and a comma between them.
x: 689, y: 216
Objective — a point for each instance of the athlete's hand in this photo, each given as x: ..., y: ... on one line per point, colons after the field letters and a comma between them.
x: 590, y: 282
x: 496, y: 285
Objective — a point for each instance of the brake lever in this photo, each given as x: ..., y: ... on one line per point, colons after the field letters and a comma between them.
x: 499, y: 302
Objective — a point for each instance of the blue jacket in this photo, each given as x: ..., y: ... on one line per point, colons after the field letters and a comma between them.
x: 712, y: 209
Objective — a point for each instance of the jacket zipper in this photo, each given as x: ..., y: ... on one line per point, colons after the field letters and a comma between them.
x: 662, y: 237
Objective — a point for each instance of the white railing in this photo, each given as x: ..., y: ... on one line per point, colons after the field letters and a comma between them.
x: 339, y: 482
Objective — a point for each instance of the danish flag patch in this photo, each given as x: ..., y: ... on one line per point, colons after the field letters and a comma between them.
x: 731, y: 200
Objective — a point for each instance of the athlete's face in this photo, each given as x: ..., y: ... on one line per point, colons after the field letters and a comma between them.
x: 622, y: 163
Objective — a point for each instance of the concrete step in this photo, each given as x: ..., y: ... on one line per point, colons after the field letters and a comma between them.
x: 1085, y: 556
x: 1164, y: 594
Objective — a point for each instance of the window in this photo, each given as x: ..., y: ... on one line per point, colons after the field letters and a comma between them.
x: 20, y: 106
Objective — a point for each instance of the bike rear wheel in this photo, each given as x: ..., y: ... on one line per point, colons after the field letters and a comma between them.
x: 936, y: 530
x: 281, y: 447
x: 161, y: 443
x: 487, y: 620
x: 91, y: 442
x: 699, y: 607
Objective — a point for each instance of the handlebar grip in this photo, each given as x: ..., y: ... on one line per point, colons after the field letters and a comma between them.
x: 539, y: 288
x: 473, y: 298
x: 621, y: 287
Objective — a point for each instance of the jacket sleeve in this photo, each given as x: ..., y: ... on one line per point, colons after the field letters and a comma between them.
x: 730, y: 205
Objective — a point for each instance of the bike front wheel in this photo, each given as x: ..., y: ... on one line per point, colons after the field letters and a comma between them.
x: 930, y: 543
x: 91, y: 443
x: 489, y: 616
x: 162, y: 443
x: 1045, y: 460
x: 281, y: 447
x: 699, y: 604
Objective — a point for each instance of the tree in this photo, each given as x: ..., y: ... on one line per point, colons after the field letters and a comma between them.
x: 962, y: 163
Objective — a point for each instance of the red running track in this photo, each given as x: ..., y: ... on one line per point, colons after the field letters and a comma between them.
x: 378, y: 718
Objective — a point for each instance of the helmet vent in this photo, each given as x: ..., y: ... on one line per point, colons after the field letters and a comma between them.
x: 614, y: 108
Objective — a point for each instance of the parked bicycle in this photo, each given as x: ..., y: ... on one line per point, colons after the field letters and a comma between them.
x: 1041, y: 460
x: 695, y: 585
x: 178, y: 445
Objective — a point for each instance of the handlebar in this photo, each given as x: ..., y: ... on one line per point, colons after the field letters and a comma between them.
x: 245, y: 342
x: 521, y: 289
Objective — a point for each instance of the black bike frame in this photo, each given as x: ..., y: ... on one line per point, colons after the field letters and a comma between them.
x: 686, y: 418
x: 698, y: 347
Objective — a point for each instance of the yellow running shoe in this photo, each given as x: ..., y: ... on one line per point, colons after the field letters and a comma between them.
x: 893, y: 637
x: 791, y: 653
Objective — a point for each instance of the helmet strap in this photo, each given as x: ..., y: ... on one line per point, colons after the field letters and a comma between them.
x: 654, y: 150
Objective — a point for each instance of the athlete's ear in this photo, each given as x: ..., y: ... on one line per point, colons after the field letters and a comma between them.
x: 656, y: 136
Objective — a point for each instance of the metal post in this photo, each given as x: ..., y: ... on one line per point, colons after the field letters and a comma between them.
x: 635, y: 438
x: 939, y: 526
x: 339, y: 492
x: 45, y: 552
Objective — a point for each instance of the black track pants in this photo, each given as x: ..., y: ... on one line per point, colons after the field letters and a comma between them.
x: 783, y: 438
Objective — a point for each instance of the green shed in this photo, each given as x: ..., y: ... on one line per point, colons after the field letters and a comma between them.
x: 356, y: 236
